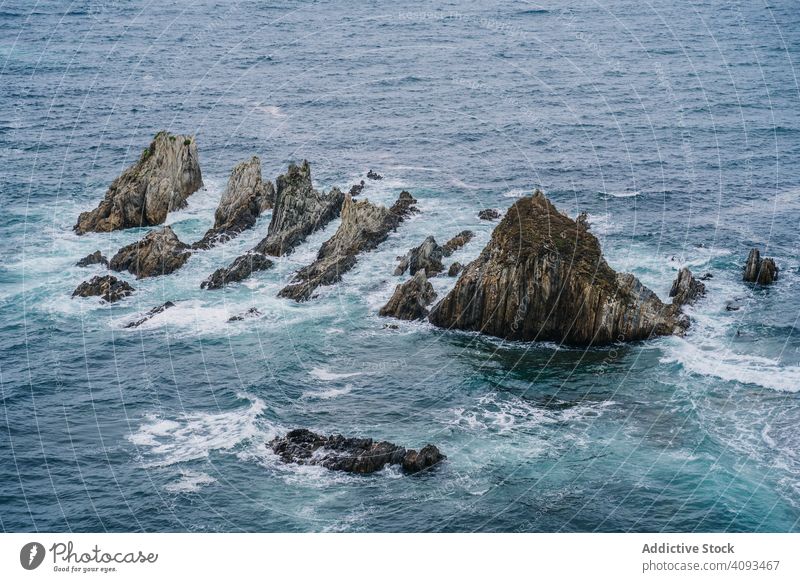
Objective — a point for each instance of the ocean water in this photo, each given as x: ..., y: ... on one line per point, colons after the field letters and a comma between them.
x: 675, y: 125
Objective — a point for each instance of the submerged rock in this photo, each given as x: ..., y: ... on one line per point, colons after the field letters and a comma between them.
x: 299, y: 211
x: 240, y: 269
x: 151, y: 314
x: 454, y: 269
x: 364, y: 226
x: 250, y: 313
x: 243, y: 201
x: 686, y: 289
x: 352, y: 455
x: 410, y: 299
x: 167, y: 172
x: 706, y: 277
x: 96, y: 258
x: 426, y: 257
x: 159, y: 253
x: 543, y: 277
x: 757, y: 270
x: 374, y: 175
x: 107, y: 287
x: 489, y: 214
x: 457, y: 242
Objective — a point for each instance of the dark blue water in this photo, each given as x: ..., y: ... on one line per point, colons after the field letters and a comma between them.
x: 676, y: 125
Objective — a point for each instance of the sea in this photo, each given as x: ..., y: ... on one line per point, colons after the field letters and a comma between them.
x: 674, y: 125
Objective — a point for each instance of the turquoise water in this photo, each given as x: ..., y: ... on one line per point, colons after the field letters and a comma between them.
x: 676, y: 127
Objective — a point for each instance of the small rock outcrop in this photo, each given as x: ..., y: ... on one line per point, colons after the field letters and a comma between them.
x: 457, y: 242
x: 410, y: 299
x: 374, y: 175
x: 364, y: 226
x: 454, y: 269
x: 107, y: 287
x: 356, y: 189
x: 250, y: 313
x: 760, y: 270
x: 239, y: 270
x: 167, y: 172
x: 542, y: 277
x: 299, y: 211
x: 245, y: 198
x: 159, y: 253
x: 352, y: 455
x: 426, y: 257
x: 686, y: 289
x: 150, y: 314
x: 489, y: 214
x: 96, y: 258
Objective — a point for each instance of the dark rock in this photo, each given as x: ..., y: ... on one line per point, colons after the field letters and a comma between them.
x: 706, y: 277
x: 390, y: 326
x: 364, y: 226
x: 250, y: 313
x: 583, y: 221
x: 543, y: 278
x: 165, y: 175
x: 151, y: 314
x: 158, y: 253
x: 757, y: 270
x: 686, y: 289
x: 240, y: 269
x: 107, y: 287
x: 734, y: 304
x: 356, y: 189
x: 96, y: 258
x: 489, y: 214
x: 457, y: 242
x: 410, y: 299
x: 299, y: 211
x: 454, y: 269
x: 374, y: 175
x: 243, y: 201
x: 426, y: 257
x: 352, y: 455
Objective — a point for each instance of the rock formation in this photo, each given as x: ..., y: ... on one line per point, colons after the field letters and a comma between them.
x: 356, y: 189
x: 489, y: 214
x: 686, y: 289
x: 240, y: 269
x: 410, y: 299
x: 352, y: 455
x: 299, y: 210
x: 757, y: 270
x: 158, y: 253
x: 243, y: 201
x: 364, y: 226
x: 107, y: 287
x: 167, y: 172
x: 426, y: 257
x: 457, y: 242
x: 151, y: 314
x: 96, y: 258
x: 250, y: 313
x: 374, y: 175
x: 454, y: 269
x: 543, y: 277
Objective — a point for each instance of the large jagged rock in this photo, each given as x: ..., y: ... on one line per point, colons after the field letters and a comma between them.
x: 159, y: 253
x: 364, y: 226
x: 410, y: 299
x: 488, y: 214
x: 96, y: 258
x: 150, y: 314
x: 240, y: 269
x: 243, y: 201
x: 426, y: 257
x: 352, y: 455
x: 454, y: 269
x: 757, y: 270
x: 543, y: 277
x: 167, y: 172
x: 686, y: 289
x: 107, y: 287
x: 299, y: 211
x: 457, y: 242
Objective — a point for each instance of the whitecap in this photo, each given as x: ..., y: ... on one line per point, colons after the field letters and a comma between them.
x: 326, y: 375
x: 189, y: 482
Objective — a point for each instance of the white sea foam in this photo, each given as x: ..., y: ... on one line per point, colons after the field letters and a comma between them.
x: 327, y: 394
x: 625, y: 194
x: 189, y: 482
x: 324, y: 374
